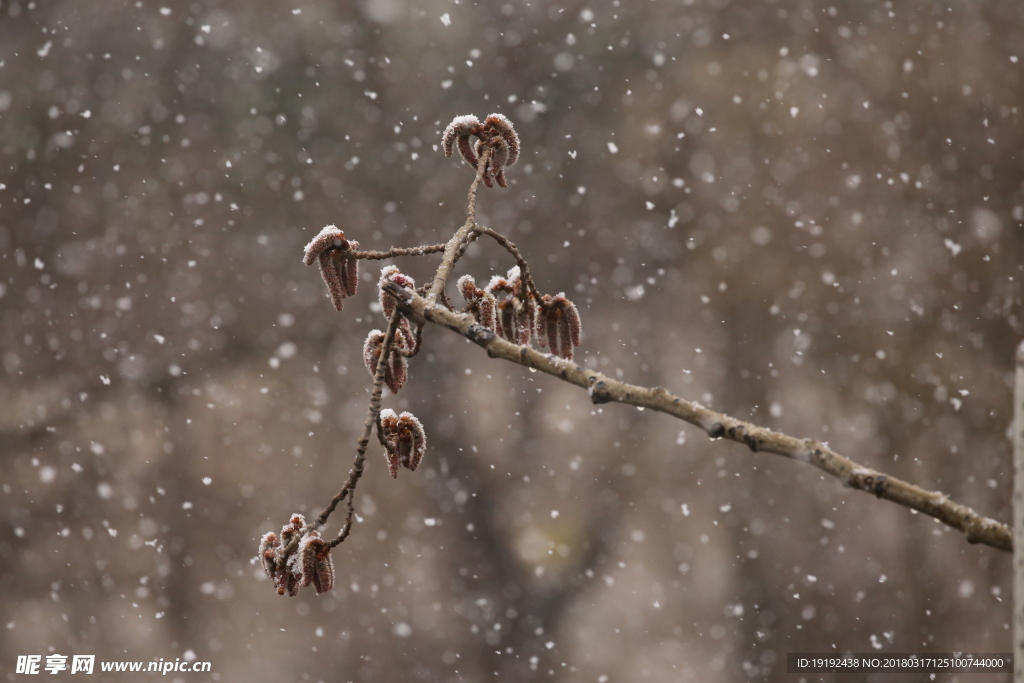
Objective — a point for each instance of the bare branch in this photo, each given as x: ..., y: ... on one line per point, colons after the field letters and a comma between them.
x: 364, y: 438
x: 603, y: 389
x: 398, y: 251
x: 453, y: 249
x: 524, y: 268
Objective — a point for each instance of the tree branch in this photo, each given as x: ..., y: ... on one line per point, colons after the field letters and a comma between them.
x: 524, y: 267
x: 397, y: 251
x: 603, y: 389
x: 364, y: 438
x: 453, y: 249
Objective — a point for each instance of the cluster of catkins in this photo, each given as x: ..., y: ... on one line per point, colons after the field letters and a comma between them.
x: 404, y: 440
x: 402, y: 436
x: 495, y: 133
x: 507, y: 308
x: 291, y: 568
x: 339, y: 269
x: 403, y: 345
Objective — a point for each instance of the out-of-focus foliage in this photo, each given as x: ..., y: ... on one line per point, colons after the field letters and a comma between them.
x: 805, y: 214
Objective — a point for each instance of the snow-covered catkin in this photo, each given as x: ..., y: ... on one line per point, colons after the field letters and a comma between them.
x: 293, y: 528
x: 308, y: 562
x: 412, y: 441
x: 388, y: 430
x: 506, y: 323
x: 467, y: 286
x: 405, y: 341
x: 391, y: 274
x: 508, y: 133
x: 397, y: 373
x: 329, y: 237
x: 405, y: 440
x: 551, y: 331
x: 268, y: 553
x: 487, y: 311
x: 350, y: 270
x: 334, y: 271
x: 282, y: 570
x: 338, y: 268
x: 525, y: 313
x: 316, y: 565
x: 371, y: 350
x: 481, y: 304
x: 560, y: 325
x: 498, y: 160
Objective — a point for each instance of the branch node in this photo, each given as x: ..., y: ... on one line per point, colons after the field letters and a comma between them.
x: 480, y: 335
x: 875, y: 485
x: 716, y: 430
x: 599, y: 392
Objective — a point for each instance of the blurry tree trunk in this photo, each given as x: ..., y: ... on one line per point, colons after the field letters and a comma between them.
x: 497, y: 586
x: 1018, y: 519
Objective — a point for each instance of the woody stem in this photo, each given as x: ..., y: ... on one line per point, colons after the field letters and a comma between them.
x: 453, y: 249
x: 364, y: 438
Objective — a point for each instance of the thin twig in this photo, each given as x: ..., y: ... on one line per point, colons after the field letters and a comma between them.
x: 603, y: 389
x: 452, y: 250
x: 524, y: 268
x: 397, y: 251
x: 364, y: 438
x: 417, y: 343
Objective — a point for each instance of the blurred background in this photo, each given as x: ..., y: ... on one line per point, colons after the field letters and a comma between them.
x: 808, y: 215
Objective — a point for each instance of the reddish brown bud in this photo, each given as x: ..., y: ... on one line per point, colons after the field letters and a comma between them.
x: 498, y: 284
x: 292, y: 529
x: 391, y: 274
x: 273, y: 560
x: 467, y: 286
x: 504, y: 128
x: 515, y: 311
x: 404, y: 339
